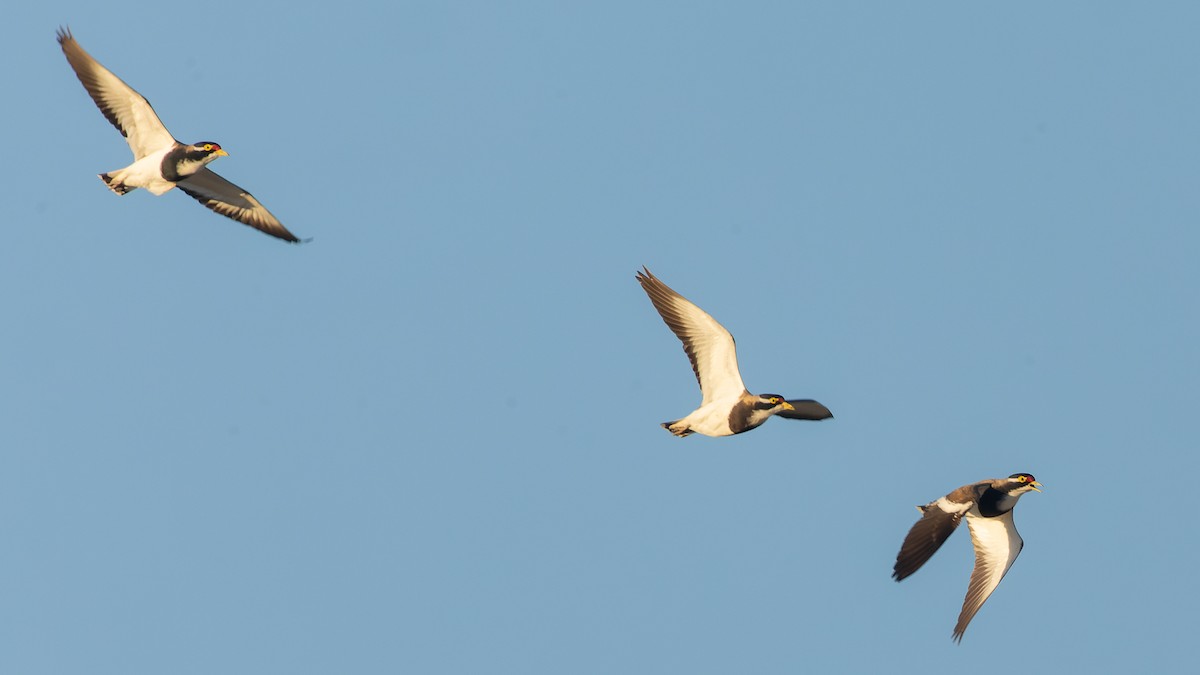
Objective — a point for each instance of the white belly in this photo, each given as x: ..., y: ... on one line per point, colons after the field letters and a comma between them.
x: 711, y: 419
x: 145, y: 173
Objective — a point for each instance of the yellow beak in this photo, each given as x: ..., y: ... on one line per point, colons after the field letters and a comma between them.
x: 1035, y: 485
x: 222, y: 153
x: 788, y: 406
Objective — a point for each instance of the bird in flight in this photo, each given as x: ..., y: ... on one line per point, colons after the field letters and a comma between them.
x: 988, y: 507
x: 161, y: 162
x: 726, y: 408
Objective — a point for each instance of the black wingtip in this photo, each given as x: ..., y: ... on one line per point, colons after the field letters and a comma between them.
x: 806, y: 409
x: 901, y: 570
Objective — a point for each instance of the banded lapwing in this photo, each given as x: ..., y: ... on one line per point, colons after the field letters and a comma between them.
x: 161, y: 162
x: 988, y: 507
x: 726, y: 408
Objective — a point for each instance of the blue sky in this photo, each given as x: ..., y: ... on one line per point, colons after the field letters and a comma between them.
x: 428, y: 440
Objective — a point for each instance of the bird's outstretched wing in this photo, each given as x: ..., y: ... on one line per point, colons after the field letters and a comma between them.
x: 939, y: 521
x: 805, y: 409
x: 128, y: 111
x: 708, y: 345
x: 232, y: 201
x: 997, y: 545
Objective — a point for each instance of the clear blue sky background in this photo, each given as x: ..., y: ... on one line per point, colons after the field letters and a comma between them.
x: 428, y: 442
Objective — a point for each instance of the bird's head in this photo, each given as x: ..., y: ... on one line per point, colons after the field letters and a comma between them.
x: 1020, y: 483
x: 207, y: 150
x: 194, y: 157
x: 772, y: 402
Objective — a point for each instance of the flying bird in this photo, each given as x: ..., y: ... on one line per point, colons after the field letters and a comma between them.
x: 988, y: 506
x: 161, y: 162
x: 726, y: 408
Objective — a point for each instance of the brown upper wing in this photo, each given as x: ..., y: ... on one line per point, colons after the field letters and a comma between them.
x: 939, y: 521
